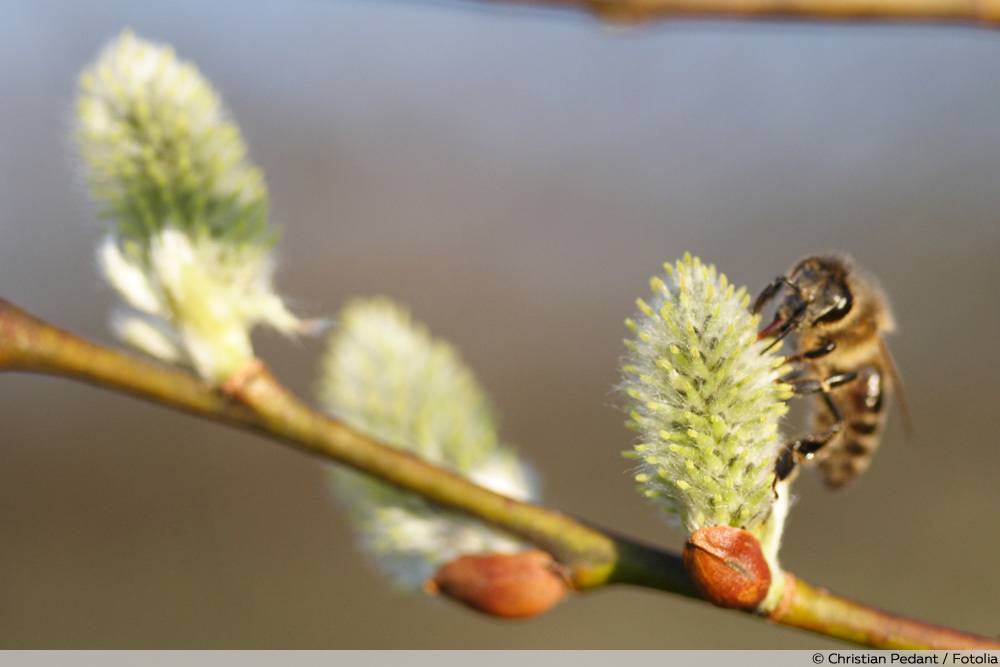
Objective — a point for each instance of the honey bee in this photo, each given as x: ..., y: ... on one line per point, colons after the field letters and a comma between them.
x: 839, y: 316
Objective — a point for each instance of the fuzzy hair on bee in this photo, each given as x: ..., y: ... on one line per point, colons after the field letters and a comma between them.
x: 839, y: 316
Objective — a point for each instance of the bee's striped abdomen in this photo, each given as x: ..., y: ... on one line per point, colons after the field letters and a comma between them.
x: 862, y: 405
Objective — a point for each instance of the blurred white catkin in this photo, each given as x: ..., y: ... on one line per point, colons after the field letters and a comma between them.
x: 384, y: 375
x: 190, y: 249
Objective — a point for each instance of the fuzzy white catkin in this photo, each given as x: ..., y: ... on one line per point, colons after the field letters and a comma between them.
x: 160, y: 148
x: 705, y: 400
x: 190, y: 251
x: 384, y: 375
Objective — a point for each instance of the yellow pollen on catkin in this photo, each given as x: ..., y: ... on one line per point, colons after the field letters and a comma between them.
x: 708, y: 399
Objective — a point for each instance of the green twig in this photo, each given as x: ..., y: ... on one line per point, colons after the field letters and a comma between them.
x: 254, y: 400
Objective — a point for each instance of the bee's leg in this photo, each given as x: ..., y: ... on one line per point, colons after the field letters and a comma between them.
x: 811, y: 386
x: 824, y: 349
x: 810, y: 444
x: 835, y: 381
x: 806, y: 446
x: 784, y: 465
x: 803, y: 448
x: 793, y: 375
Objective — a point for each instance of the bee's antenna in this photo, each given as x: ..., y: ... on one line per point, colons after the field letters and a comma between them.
x: 794, y: 286
x: 769, y: 293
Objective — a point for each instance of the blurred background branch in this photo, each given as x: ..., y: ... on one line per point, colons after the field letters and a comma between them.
x: 639, y: 11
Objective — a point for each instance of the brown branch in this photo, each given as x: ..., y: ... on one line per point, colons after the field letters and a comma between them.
x: 593, y: 557
x: 639, y: 11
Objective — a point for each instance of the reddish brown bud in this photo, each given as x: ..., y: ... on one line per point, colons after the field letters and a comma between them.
x: 506, y: 585
x: 728, y: 566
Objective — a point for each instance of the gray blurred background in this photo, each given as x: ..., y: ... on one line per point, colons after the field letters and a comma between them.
x: 514, y: 176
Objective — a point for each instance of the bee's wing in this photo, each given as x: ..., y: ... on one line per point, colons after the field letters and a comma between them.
x: 897, y: 386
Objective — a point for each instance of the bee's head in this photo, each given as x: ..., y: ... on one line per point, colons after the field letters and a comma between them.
x: 821, y: 285
x: 817, y: 295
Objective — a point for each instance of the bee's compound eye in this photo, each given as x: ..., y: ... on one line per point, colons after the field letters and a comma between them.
x: 838, y: 309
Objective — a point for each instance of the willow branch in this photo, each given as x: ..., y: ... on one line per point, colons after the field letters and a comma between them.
x: 257, y: 402
x: 635, y: 11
